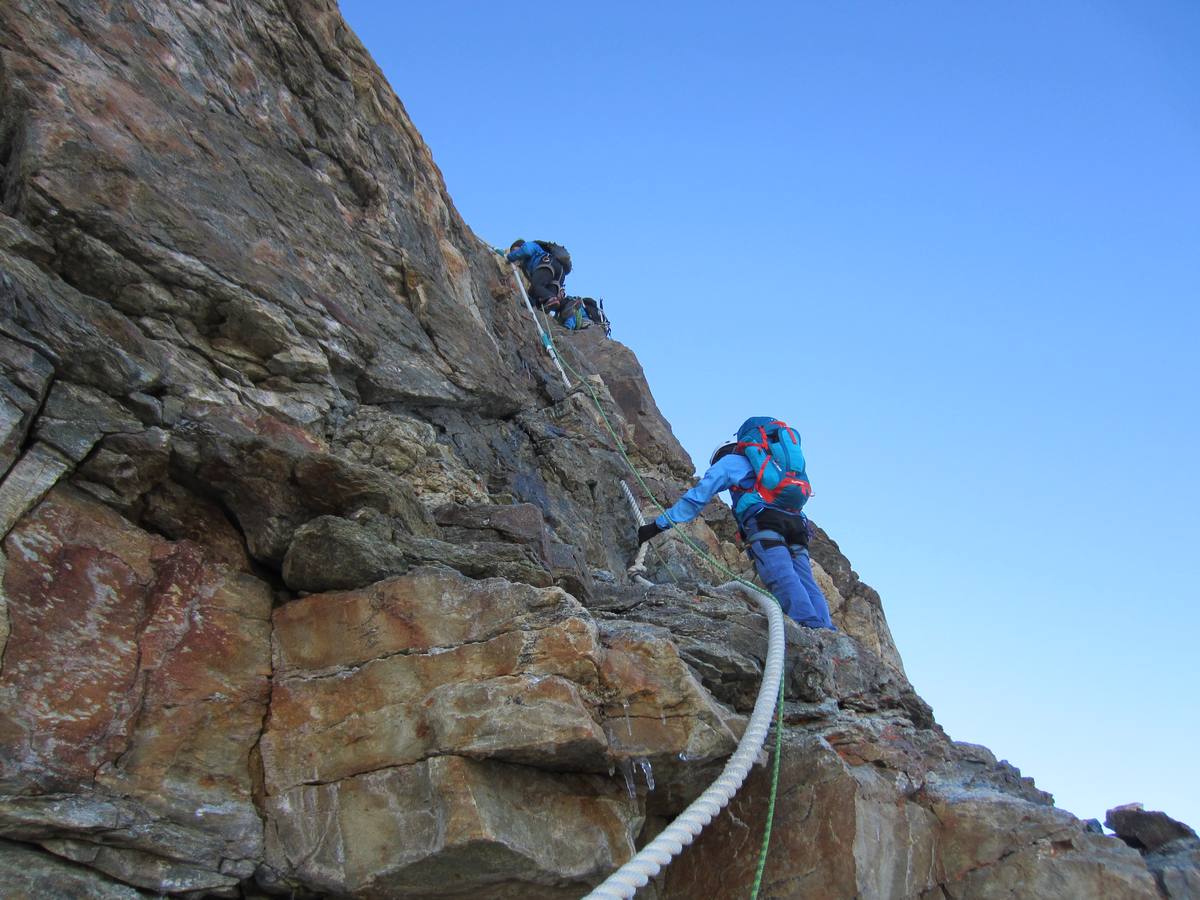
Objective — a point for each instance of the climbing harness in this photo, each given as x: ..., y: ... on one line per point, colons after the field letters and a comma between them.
x: 637, y: 872
x: 544, y: 335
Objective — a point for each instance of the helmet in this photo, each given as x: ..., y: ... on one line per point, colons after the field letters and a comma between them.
x: 724, y: 450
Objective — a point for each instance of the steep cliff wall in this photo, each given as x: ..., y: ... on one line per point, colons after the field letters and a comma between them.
x: 313, y: 570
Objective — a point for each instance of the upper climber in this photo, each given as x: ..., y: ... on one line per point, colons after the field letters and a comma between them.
x: 546, y: 265
x: 764, y: 471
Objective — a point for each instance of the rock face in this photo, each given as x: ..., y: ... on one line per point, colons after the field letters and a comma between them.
x: 312, y: 579
x: 1171, y: 849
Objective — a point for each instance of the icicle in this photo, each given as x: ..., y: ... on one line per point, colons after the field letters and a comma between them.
x: 648, y: 773
x: 626, y: 768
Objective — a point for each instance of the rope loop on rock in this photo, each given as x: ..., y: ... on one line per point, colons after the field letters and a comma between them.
x: 547, y: 342
x: 638, y: 871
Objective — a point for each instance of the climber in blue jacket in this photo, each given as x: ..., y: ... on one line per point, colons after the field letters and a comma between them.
x: 775, y: 538
x: 547, y: 265
x: 544, y: 272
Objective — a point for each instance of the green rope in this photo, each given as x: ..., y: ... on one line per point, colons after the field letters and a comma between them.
x: 766, y: 841
x: 721, y: 567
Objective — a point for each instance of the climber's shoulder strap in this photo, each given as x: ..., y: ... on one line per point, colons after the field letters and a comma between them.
x: 559, y: 253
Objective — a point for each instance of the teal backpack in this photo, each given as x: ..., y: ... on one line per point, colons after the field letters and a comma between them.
x: 773, y: 451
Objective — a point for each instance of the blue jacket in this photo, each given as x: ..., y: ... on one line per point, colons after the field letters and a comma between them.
x: 530, y: 254
x: 728, y: 471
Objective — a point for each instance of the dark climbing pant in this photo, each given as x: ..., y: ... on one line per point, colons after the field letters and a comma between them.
x: 778, y: 545
x: 545, y: 286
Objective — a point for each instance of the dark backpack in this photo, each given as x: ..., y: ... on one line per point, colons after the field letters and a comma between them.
x: 560, y: 254
x: 595, y: 312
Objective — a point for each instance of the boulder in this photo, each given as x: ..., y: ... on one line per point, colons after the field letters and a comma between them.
x: 1144, y: 829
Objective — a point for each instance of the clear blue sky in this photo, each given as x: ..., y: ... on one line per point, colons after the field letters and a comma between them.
x: 957, y: 245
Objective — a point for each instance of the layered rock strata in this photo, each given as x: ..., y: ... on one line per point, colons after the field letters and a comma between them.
x: 312, y: 575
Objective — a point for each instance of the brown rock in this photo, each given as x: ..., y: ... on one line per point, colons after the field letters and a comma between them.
x: 645, y: 678
x: 860, y: 831
x: 451, y: 827
x: 626, y: 383
x: 135, y: 670
x: 813, y: 836
x: 425, y: 610
x: 430, y: 663
x: 1071, y: 865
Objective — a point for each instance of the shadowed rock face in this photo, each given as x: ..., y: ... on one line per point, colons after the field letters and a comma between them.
x: 312, y: 577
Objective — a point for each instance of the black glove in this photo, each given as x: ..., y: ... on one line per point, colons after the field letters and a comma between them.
x: 648, y: 531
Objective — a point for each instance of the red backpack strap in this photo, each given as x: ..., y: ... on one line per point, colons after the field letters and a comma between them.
x: 788, y: 428
x: 763, y: 445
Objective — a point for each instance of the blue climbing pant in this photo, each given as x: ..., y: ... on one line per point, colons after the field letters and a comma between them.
x: 787, y: 573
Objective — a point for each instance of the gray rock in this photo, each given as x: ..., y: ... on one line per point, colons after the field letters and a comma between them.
x: 330, y: 553
x: 1143, y: 829
x: 22, y: 241
x: 148, y: 409
x: 521, y: 523
x: 478, y: 559
x: 83, y: 338
x: 28, y: 873
x: 14, y: 424
x: 150, y: 871
x: 328, y: 484
x: 24, y: 379
x: 75, y: 417
x: 28, y: 482
x: 1176, y: 866
x: 130, y: 465
x: 570, y: 569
